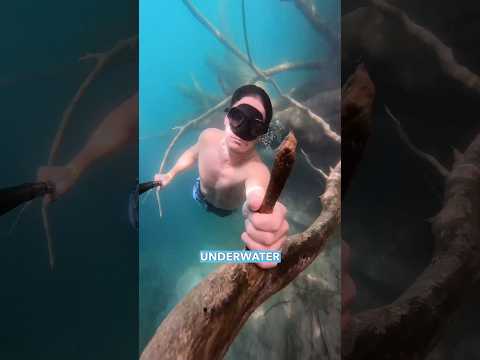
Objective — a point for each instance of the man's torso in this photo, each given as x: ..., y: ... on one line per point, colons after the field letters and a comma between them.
x: 222, y: 184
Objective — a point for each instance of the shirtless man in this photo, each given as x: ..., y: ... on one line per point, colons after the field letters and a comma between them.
x: 232, y: 173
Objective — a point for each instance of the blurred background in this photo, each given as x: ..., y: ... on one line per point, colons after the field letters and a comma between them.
x: 86, y: 308
x: 388, y: 211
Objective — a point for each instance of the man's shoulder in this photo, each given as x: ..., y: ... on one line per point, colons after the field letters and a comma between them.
x: 210, y: 134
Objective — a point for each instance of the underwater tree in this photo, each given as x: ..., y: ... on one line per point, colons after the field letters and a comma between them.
x: 413, y: 324
x: 206, y: 321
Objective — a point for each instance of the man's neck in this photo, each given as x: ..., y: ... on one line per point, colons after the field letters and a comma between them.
x: 234, y: 158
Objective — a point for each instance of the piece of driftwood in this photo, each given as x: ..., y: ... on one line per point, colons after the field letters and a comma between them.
x: 282, y: 166
x: 408, y: 328
x: 206, y: 321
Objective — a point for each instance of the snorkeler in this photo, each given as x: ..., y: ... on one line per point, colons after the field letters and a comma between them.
x: 232, y: 173
x: 118, y: 128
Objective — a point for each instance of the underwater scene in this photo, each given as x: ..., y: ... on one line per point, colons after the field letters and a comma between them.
x: 193, y: 56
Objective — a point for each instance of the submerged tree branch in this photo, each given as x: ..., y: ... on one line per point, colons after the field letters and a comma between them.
x: 309, y: 10
x: 444, y: 54
x: 408, y: 327
x: 260, y: 74
x: 421, y: 154
x: 102, y: 59
x: 206, y: 321
x: 309, y: 162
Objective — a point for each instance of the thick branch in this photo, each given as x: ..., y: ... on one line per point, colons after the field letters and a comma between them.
x: 207, y: 320
x: 408, y: 327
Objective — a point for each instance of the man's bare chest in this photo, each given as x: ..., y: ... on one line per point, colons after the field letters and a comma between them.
x: 216, y: 173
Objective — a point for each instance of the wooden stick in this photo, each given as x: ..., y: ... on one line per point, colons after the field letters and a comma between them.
x: 282, y: 166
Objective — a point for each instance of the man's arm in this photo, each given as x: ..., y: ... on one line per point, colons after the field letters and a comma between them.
x: 185, y: 162
x: 118, y: 128
x: 262, y: 231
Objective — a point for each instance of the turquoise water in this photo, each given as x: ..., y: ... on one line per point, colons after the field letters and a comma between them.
x: 173, y: 46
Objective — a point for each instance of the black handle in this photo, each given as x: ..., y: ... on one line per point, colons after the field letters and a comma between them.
x: 11, y: 197
x: 142, y: 187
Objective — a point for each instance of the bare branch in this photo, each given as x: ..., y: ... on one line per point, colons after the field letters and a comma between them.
x: 260, y: 74
x: 309, y: 10
x: 309, y: 162
x: 444, y: 54
x: 181, y: 129
x: 421, y: 154
x: 289, y: 66
x: 102, y: 59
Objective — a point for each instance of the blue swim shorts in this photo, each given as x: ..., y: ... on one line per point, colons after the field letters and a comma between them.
x: 198, y: 196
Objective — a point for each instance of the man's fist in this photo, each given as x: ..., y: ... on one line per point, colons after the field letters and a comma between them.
x: 62, y: 178
x: 163, y: 178
x: 264, y: 231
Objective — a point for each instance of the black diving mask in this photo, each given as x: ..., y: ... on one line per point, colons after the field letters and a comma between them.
x: 246, y: 122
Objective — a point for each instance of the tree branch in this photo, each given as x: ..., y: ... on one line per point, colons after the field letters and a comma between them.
x: 422, y: 155
x: 408, y: 327
x: 444, y: 54
x: 309, y: 10
x: 260, y: 74
x: 102, y: 59
x: 309, y: 162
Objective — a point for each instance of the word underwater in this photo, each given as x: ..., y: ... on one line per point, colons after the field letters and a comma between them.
x: 239, y: 256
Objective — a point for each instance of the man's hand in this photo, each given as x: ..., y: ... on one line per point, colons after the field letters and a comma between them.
x: 163, y: 178
x: 264, y: 231
x: 62, y: 178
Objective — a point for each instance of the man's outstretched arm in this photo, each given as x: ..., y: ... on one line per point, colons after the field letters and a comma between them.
x: 262, y: 231
x: 117, y: 129
x: 184, y: 162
